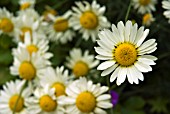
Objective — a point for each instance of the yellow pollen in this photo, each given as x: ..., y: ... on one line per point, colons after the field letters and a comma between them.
x: 24, y: 30
x: 89, y: 20
x: 13, y: 101
x: 47, y: 103
x: 144, y: 2
x: 32, y: 48
x: 6, y: 25
x: 80, y: 69
x: 125, y: 54
x: 27, y: 70
x: 59, y: 89
x: 25, y: 6
x: 60, y: 25
x: 146, y: 18
x: 86, y: 102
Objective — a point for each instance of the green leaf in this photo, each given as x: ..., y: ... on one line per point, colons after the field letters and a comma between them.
x: 130, y: 111
x: 5, y: 57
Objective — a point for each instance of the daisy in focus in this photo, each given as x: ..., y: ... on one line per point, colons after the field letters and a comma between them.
x: 25, y: 4
x: 125, y: 53
x: 166, y: 5
x: 147, y: 19
x: 81, y: 63
x: 84, y: 97
x: 89, y: 19
x: 60, y: 29
x: 55, y: 78
x: 9, y: 97
x: 45, y: 102
x: 144, y: 6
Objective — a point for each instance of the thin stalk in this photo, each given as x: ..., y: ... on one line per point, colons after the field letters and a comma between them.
x: 128, y: 11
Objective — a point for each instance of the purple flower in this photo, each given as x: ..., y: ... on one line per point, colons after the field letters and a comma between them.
x: 114, y: 97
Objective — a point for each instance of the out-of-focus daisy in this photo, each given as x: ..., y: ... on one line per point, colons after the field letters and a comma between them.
x: 24, y: 4
x: 7, y: 21
x: 144, y: 6
x: 47, y: 12
x: 166, y: 5
x: 88, y: 19
x: 60, y: 29
x: 84, y: 97
x: 147, y: 19
x: 9, y: 97
x: 125, y: 52
x: 45, y: 102
x: 80, y: 63
x: 55, y: 78
x: 36, y: 45
x: 26, y: 66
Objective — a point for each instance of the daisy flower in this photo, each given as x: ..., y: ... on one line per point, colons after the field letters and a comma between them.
x: 7, y: 21
x: 55, y: 78
x: 26, y: 66
x: 80, y: 63
x: 84, y: 97
x: 60, y: 29
x: 88, y: 19
x: 24, y: 4
x: 9, y: 96
x: 147, y: 19
x: 47, y: 12
x: 144, y: 6
x: 166, y: 5
x: 45, y: 102
x: 125, y: 52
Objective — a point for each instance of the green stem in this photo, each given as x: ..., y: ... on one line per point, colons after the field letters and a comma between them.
x: 128, y: 11
x: 59, y: 4
x: 22, y: 89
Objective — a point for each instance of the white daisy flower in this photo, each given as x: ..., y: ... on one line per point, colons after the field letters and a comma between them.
x: 125, y: 52
x: 144, y: 6
x: 36, y: 45
x: 45, y: 102
x: 47, y: 12
x: 88, y: 19
x: 9, y: 96
x: 24, y: 4
x: 147, y: 19
x: 60, y: 29
x: 84, y: 97
x: 81, y: 63
x: 27, y: 66
x: 166, y: 5
x: 7, y: 22
x: 55, y: 78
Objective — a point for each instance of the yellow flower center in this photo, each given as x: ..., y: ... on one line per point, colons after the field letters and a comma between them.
x: 125, y: 54
x: 17, y: 107
x: 47, y: 103
x: 144, y: 2
x: 146, y: 18
x: 80, y: 69
x: 60, y: 25
x: 86, y: 102
x: 25, y: 6
x: 89, y: 20
x: 24, y: 30
x: 27, y: 70
x: 6, y: 25
x: 32, y: 48
x: 59, y: 89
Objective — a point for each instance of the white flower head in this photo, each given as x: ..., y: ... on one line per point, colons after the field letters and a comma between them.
x: 125, y: 53
x: 166, y: 5
x: 25, y: 4
x: 147, y: 19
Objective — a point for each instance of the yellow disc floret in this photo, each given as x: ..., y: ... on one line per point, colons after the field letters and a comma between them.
x: 47, y: 103
x: 144, y: 2
x: 60, y: 25
x: 24, y: 30
x: 32, y: 48
x: 89, y: 20
x: 59, y: 89
x: 125, y: 54
x: 80, y: 69
x: 86, y: 102
x: 25, y: 6
x: 17, y: 107
x: 6, y: 25
x: 27, y: 70
x: 146, y: 18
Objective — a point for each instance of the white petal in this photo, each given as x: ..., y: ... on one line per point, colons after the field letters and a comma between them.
x: 104, y: 105
x: 142, y: 67
x: 106, y: 65
x: 103, y: 97
x: 109, y: 70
